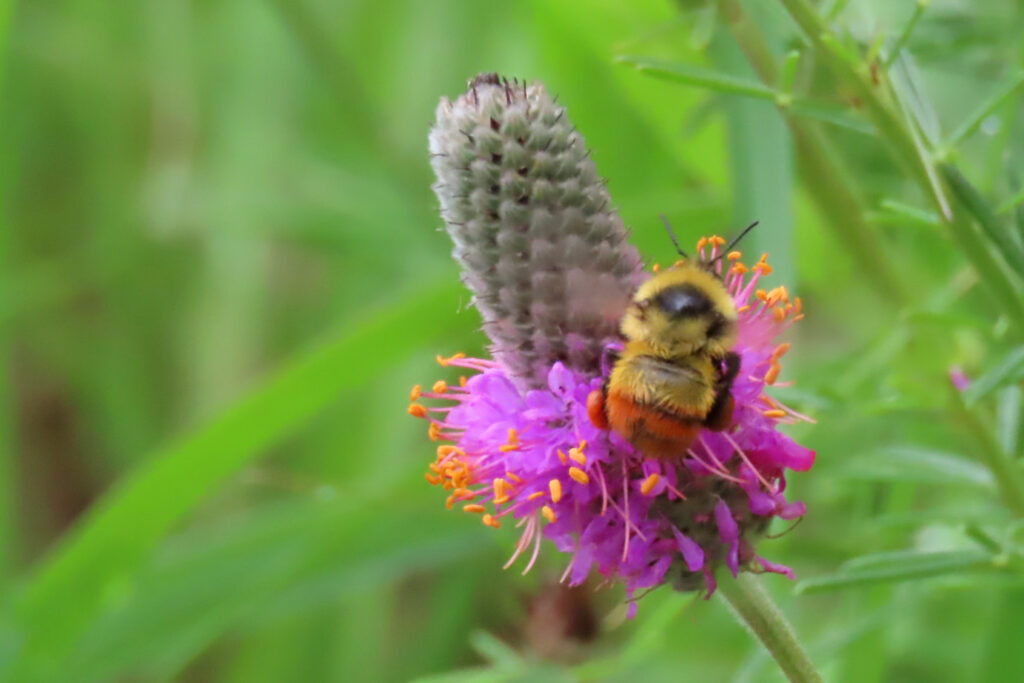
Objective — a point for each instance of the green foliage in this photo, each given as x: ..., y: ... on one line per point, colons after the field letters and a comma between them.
x: 221, y: 269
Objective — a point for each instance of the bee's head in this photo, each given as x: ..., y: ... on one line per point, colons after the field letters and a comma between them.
x: 682, y: 310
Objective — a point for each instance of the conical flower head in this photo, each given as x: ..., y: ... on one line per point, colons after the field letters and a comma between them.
x: 542, y: 250
x: 516, y: 441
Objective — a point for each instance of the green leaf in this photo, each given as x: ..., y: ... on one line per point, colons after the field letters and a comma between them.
x: 921, y: 465
x: 689, y: 74
x: 987, y: 106
x: 897, y: 566
x: 1009, y: 369
x: 87, y: 568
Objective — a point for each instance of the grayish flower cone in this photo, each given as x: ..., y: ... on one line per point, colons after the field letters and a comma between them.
x: 541, y: 248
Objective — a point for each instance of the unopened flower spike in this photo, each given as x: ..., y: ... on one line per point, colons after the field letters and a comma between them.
x: 552, y: 273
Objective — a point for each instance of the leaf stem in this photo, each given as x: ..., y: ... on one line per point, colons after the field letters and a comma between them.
x: 826, y: 179
x: 754, y: 608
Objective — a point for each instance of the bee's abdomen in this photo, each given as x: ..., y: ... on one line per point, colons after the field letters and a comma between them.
x: 657, y: 431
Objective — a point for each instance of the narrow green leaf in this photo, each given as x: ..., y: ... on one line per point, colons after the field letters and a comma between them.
x: 101, y: 553
x: 897, y: 566
x: 494, y: 650
x: 699, y: 76
x: 905, y: 34
x: 983, y: 110
x: 1009, y: 409
x: 921, y: 465
x: 991, y: 226
x: 1009, y: 369
x: 910, y: 213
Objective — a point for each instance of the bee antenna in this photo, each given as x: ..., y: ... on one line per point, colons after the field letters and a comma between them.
x: 672, y: 236
x: 735, y: 242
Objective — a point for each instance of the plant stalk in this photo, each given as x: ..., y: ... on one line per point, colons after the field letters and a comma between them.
x: 754, y: 608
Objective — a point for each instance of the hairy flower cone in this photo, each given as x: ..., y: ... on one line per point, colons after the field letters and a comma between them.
x: 516, y: 444
x: 541, y: 248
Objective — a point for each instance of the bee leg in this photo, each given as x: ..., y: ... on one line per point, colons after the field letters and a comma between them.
x: 719, y: 417
x: 596, y: 410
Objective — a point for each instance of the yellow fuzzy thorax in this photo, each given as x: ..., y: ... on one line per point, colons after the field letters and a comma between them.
x: 667, y: 337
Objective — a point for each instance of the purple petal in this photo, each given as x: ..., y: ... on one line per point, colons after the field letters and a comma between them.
x: 692, y: 553
x: 727, y: 528
x: 709, y: 583
x: 792, y: 510
x: 776, y: 568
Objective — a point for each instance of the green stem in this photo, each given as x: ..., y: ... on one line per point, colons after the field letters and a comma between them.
x: 753, y: 607
x: 858, y: 76
x: 1004, y: 468
x: 826, y: 180
x: 905, y: 35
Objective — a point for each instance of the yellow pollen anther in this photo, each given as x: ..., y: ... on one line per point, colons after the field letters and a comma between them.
x: 780, y: 351
x: 773, y: 373
x: 462, y: 380
x: 779, y: 314
x: 774, y: 413
x: 764, y: 268
x: 415, y: 393
x: 734, y: 255
x: 577, y: 455
x: 739, y: 268
x: 440, y: 386
x: 500, y: 491
x: 513, y: 477
x: 649, y: 483
x: 555, y: 487
x: 743, y: 309
x: 548, y: 513
x: 798, y: 317
x: 473, y: 507
x: 798, y: 304
x: 716, y: 240
x: 656, y: 268
x: 417, y: 410
x: 490, y: 521
x: 535, y: 495
x: 449, y: 502
x: 579, y: 475
x: 701, y: 243
x: 432, y: 478
x: 444, y: 450
x: 443, y: 362
x: 434, y: 431
x: 561, y: 456
x: 761, y: 294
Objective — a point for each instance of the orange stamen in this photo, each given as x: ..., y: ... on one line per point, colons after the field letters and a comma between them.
x: 579, y: 475
x: 474, y: 507
x: 513, y: 477
x: 500, y: 491
x: 415, y: 393
x: 780, y: 351
x: 432, y: 478
x: 577, y: 455
x: 462, y: 380
x: 555, y: 487
x: 417, y: 410
x: 716, y: 240
x: 734, y: 255
x: 743, y: 309
x: 443, y: 362
x: 490, y: 521
x: 649, y: 483
x: 440, y: 386
x: 434, y: 431
x: 535, y: 495
x: 779, y: 314
x: 561, y: 456
x: 761, y: 294
x: 739, y: 268
x: 449, y: 502
x: 656, y: 268
x: 548, y: 513
x: 773, y: 373
x: 701, y: 243
x: 774, y: 413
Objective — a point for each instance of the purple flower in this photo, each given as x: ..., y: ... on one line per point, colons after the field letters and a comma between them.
x: 533, y: 458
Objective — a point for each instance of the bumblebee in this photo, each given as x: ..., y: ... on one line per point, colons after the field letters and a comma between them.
x: 674, y: 375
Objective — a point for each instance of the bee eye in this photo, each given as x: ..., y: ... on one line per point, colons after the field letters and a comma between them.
x: 683, y: 301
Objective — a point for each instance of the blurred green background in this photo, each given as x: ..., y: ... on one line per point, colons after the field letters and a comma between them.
x: 222, y: 267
